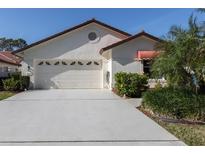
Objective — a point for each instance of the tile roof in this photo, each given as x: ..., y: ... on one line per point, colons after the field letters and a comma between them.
x: 10, y: 58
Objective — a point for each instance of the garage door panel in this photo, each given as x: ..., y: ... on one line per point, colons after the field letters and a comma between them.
x: 66, y: 76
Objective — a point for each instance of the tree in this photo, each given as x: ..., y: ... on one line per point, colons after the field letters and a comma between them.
x: 182, y: 58
x: 201, y: 10
x: 11, y: 44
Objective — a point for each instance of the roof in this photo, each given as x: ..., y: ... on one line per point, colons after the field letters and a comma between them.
x: 143, y: 33
x: 9, y: 58
x: 74, y: 28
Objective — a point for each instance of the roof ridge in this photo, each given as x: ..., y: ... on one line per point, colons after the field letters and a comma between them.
x: 71, y: 29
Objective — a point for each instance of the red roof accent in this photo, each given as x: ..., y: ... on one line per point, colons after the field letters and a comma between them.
x: 9, y: 58
x: 140, y: 55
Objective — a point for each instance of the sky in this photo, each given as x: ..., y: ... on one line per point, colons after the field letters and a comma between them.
x: 35, y: 24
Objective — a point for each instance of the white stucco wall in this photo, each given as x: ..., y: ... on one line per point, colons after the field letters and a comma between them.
x: 123, y: 55
x: 73, y: 45
x: 11, y: 68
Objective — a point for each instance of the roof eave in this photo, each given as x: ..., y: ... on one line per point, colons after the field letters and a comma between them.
x: 129, y: 39
x: 4, y: 61
x: 71, y: 29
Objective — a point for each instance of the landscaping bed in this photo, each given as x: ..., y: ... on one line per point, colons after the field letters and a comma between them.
x: 13, y: 84
x: 191, y: 134
x: 175, y: 103
x: 6, y: 94
x: 178, y: 110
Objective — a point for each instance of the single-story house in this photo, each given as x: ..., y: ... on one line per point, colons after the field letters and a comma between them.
x: 86, y: 56
x: 9, y: 63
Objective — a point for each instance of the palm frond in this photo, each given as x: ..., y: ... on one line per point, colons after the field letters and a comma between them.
x: 202, y: 10
x: 176, y: 31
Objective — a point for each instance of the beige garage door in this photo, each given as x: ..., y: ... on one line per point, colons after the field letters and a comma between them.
x: 68, y: 74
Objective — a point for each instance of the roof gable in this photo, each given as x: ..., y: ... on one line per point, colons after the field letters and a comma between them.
x: 74, y: 28
x: 129, y: 39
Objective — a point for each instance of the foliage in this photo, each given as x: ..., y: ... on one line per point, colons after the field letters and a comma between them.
x: 11, y: 44
x: 6, y: 94
x: 1, y: 83
x: 10, y: 84
x: 176, y: 103
x: 130, y: 84
x: 182, y: 56
x: 23, y: 81
x: 202, y: 10
x: 16, y: 82
x: 158, y: 85
x: 190, y: 134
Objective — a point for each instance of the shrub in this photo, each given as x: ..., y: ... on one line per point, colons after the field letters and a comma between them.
x: 17, y: 77
x: 130, y: 84
x: 1, y: 85
x: 25, y: 81
x: 177, y: 103
x: 22, y: 82
x: 10, y: 84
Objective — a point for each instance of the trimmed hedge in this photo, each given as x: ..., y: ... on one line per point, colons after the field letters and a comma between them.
x: 176, y: 103
x: 130, y: 84
x: 16, y: 82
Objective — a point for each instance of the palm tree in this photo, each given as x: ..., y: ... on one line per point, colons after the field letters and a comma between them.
x: 182, y: 61
x: 201, y: 10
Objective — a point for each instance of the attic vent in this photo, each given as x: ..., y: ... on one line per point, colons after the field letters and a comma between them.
x: 92, y: 36
x: 41, y: 63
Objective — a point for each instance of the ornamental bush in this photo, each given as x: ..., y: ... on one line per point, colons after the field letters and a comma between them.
x: 1, y: 83
x: 24, y: 81
x: 10, y: 84
x: 176, y: 103
x: 16, y: 82
x: 130, y: 84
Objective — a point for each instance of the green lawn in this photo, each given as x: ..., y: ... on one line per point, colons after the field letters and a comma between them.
x: 6, y: 94
x: 189, y: 134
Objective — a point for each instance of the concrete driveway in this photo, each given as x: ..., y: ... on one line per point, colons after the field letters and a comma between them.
x: 77, y: 117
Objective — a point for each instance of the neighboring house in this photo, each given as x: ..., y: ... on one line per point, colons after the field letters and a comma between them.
x: 86, y: 56
x: 9, y: 63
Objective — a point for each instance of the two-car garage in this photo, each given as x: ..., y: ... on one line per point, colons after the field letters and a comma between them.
x: 59, y: 73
